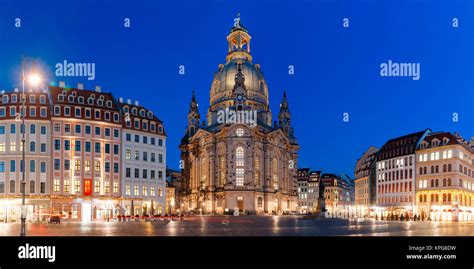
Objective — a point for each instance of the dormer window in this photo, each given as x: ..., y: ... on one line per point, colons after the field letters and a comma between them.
x: 60, y: 98
x: 134, y: 111
x: 64, y: 93
x: 100, y: 102
x: 125, y: 109
x: 150, y: 114
x: 14, y: 98
x: 160, y: 128
x: 109, y: 104
x: 90, y: 101
x: 32, y: 99
x: 71, y: 99
x: 152, y: 127
x: 142, y: 113
x: 5, y: 99
x: 43, y: 99
x: 80, y: 100
x: 445, y: 140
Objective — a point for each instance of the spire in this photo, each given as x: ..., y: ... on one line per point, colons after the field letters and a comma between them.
x: 284, y: 102
x: 193, y: 116
x: 193, y: 105
x: 284, y: 117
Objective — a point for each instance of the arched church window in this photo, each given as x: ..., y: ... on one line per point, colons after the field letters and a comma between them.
x: 222, y: 170
x: 239, y: 164
x: 275, y: 173
x: 203, y: 172
x: 257, y: 170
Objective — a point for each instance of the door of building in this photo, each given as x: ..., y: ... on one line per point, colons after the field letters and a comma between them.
x: 240, y: 203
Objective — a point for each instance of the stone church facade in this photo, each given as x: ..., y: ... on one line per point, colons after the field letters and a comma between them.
x: 238, y: 159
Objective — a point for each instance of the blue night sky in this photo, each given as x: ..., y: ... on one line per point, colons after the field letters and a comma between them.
x: 336, y: 69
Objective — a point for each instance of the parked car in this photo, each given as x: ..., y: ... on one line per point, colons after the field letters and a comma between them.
x: 55, y: 219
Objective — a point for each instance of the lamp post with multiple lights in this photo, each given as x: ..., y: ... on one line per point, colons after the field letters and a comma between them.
x: 33, y: 79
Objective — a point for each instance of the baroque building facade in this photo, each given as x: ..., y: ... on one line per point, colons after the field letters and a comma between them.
x: 395, y: 175
x: 77, y: 163
x: 143, y: 160
x: 445, y: 178
x: 364, y: 181
x: 238, y: 159
x: 38, y: 152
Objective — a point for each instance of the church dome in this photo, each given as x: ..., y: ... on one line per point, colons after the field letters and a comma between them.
x: 224, y: 82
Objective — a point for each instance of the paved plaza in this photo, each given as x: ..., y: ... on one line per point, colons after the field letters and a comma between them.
x: 245, y: 226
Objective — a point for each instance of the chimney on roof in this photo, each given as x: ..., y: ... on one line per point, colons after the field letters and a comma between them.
x: 120, y: 100
x: 97, y: 89
x: 16, y: 89
x: 62, y: 84
x: 3, y: 92
x: 129, y: 101
x: 136, y: 103
x: 80, y: 86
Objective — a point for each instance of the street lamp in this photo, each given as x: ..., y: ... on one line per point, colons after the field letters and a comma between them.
x: 33, y: 79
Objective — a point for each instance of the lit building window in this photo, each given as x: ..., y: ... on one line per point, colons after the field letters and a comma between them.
x: 144, y: 191
x: 239, y: 171
x: 135, y: 190
x: 275, y: 173
x: 128, y: 154
x: 222, y: 170
x: 66, y: 185
x: 203, y: 172
x: 160, y: 192
x: 239, y: 132
x: 77, y: 186
x: 96, y: 186
x: 87, y: 166
x: 56, y: 185
x: 127, y: 190
x: 152, y: 191
x: 77, y: 165
x: 116, y: 187
x: 97, y: 166
x: 106, y: 187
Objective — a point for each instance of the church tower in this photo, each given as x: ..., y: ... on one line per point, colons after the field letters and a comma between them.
x: 284, y: 117
x: 239, y: 161
x: 193, y: 117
